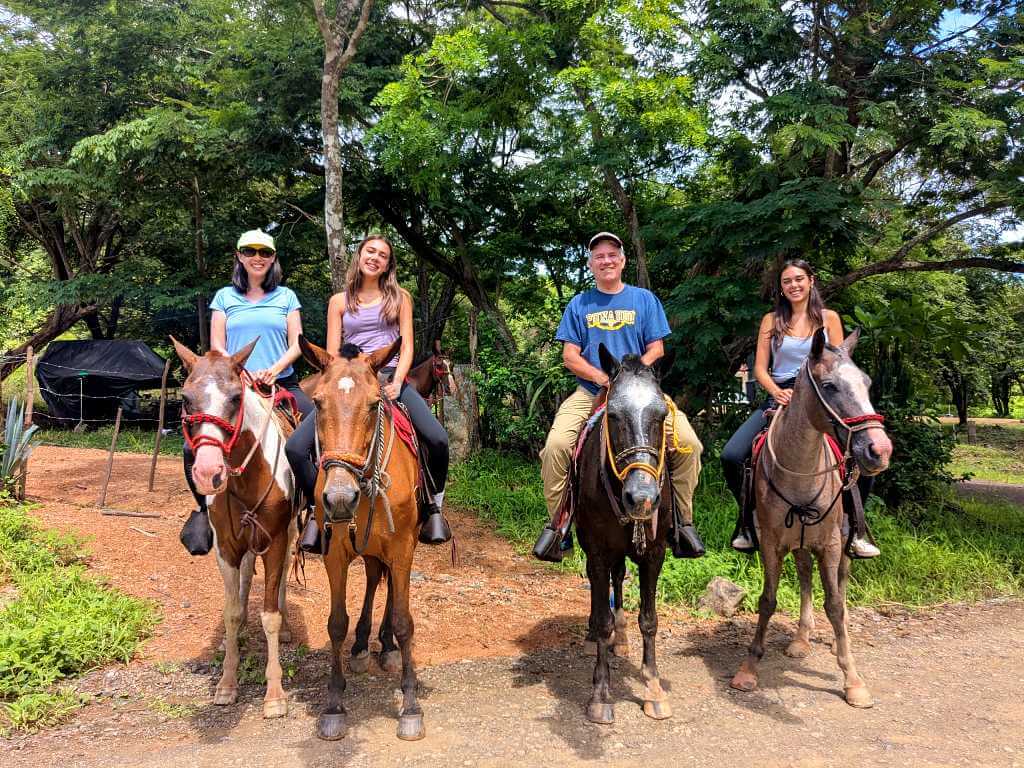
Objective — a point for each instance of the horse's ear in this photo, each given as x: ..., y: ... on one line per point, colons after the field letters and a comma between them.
x: 609, y: 364
x: 818, y: 344
x: 187, y: 356
x: 437, y: 346
x: 318, y: 357
x: 238, y: 359
x: 664, y: 364
x: 380, y: 357
x: 850, y: 342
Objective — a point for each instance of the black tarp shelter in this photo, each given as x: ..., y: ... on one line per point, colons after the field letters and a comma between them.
x: 107, y: 373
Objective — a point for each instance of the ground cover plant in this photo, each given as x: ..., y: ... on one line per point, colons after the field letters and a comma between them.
x: 948, y: 551
x: 131, y: 440
x: 56, y: 621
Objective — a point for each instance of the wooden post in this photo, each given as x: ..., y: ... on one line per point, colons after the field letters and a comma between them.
x: 110, y: 459
x: 30, y: 395
x: 159, y: 424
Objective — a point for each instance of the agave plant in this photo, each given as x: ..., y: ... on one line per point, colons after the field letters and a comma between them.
x: 17, y: 445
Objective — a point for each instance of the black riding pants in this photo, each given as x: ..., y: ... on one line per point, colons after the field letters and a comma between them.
x: 291, y: 383
x: 432, y: 437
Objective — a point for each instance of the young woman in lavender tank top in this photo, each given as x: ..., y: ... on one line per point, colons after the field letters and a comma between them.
x: 783, y: 343
x: 371, y: 313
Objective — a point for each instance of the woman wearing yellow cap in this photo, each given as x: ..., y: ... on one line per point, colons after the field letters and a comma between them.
x: 255, y: 305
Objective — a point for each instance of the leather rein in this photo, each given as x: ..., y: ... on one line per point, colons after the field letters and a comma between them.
x: 368, y: 471
x: 249, y: 522
x: 809, y: 514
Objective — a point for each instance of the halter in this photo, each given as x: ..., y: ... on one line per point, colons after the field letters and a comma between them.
x: 614, y: 458
x: 851, y: 424
x: 377, y: 457
x: 232, y: 430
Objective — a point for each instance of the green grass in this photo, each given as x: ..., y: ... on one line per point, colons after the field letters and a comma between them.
x: 128, y: 440
x: 997, y: 455
x: 929, y: 556
x: 58, y: 622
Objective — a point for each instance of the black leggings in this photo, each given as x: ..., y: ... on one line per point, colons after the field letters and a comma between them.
x: 291, y: 383
x: 432, y: 436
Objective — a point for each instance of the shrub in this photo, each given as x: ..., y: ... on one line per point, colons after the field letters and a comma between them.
x: 921, y: 451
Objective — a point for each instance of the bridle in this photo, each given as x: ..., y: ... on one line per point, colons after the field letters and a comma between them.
x: 249, y: 520
x: 368, y: 471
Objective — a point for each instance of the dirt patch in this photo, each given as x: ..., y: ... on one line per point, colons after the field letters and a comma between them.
x: 472, y: 610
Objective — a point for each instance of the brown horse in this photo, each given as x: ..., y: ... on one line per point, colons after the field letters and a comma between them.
x: 432, y: 378
x: 798, y: 487
x: 238, y: 442
x: 366, y: 504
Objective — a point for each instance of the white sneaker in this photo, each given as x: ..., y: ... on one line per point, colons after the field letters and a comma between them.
x: 742, y: 542
x: 863, y: 549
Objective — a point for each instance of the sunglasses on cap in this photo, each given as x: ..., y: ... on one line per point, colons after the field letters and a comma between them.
x: 250, y: 251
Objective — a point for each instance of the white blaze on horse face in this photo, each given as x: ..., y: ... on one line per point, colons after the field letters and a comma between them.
x: 855, y: 384
x: 346, y: 384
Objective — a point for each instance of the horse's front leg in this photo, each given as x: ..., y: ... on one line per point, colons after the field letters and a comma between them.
x: 620, y: 642
x: 801, y: 644
x: 275, y: 700
x: 599, y: 708
x: 410, y: 717
x: 834, y: 568
x: 746, y: 678
x: 390, y: 653
x: 332, y: 723
x: 656, y: 703
x: 359, y: 661
x: 227, y: 686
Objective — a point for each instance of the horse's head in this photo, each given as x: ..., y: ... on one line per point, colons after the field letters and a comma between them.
x: 213, y: 411
x: 348, y: 402
x: 634, y: 432
x: 844, y: 403
x: 441, y: 369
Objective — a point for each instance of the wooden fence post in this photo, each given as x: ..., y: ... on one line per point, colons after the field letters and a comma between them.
x: 159, y: 424
x: 30, y: 395
x: 110, y: 459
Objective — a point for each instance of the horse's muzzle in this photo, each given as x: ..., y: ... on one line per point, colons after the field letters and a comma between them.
x: 340, y: 502
x: 641, y: 496
x: 873, y: 452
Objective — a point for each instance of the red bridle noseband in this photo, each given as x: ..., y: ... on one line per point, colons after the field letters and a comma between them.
x: 232, y: 430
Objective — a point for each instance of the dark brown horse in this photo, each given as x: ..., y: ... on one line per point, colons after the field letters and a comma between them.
x: 366, y: 503
x: 432, y: 378
x: 622, y: 512
x: 798, y: 487
x: 238, y: 442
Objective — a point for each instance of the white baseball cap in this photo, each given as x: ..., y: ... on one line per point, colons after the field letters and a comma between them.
x: 255, y: 237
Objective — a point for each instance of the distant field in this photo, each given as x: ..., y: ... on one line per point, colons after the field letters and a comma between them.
x: 998, y: 454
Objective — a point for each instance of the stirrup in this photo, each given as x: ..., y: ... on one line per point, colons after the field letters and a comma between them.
x: 311, y: 539
x: 686, y: 542
x: 435, y: 528
x: 549, y: 545
x: 197, y: 533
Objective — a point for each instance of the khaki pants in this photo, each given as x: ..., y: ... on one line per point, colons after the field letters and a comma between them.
x: 684, y: 462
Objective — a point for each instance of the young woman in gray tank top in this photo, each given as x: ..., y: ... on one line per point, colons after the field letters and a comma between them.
x: 783, y: 343
x: 371, y: 313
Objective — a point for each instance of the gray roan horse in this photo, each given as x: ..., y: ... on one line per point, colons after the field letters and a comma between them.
x: 620, y: 513
x: 798, y: 488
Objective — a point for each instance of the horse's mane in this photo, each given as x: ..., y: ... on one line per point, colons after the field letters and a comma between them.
x: 633, y: 364
x: 349, y: 351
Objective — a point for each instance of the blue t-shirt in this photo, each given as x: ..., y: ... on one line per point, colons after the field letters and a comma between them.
x: 266, y: 318
x: 625, y: 322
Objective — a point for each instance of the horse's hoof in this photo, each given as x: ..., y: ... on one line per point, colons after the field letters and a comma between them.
x: 601, y: 713
x: 391, y: 662
x: 284, y: 635
x: 331, y: 726
x: 359, y: 663
x: 410, y: 727
x: 658, y: 710
x: 798, y: 649
x: 225, y: 696
x: 859, y: 697
x: 744, y: 681
x: 275, y: 708
x: 590, y: 648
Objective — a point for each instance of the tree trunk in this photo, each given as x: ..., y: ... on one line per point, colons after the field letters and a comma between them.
x: 200, y: 249
x: 474, y: 339
x: 59, y: 321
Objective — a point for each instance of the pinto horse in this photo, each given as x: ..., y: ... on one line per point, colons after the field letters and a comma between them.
x: 624, y: 510
x: 798, y: 487
x: 240, y: 465
x: 366, y: 505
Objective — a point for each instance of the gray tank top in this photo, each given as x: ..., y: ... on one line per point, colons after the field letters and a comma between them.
x: 368, y: 329
x: 789, y: 356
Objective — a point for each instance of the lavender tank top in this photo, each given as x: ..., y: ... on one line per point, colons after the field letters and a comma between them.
x: 369, y: 330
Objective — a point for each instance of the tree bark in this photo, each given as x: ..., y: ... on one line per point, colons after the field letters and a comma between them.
x: 200, y: 249
x: 335, y: 32
x: 59, y: 321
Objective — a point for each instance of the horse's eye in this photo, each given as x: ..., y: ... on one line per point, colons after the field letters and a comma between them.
x: 186, y: 402
x: 236, y: 399
x: 829, y: 386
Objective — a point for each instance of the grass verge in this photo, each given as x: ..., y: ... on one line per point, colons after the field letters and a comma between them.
x: 963, y: 552
x: 128, y: 440
x: 55, y: 622
x: 997, y: 455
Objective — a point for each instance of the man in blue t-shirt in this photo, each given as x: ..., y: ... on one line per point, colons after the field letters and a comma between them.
x: 628, y: 321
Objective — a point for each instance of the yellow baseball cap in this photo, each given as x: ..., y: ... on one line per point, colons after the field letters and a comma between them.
x: 255, y: 237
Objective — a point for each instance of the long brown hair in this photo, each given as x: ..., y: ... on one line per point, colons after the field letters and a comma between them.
x: 388, y: 281
x: 784, y: 310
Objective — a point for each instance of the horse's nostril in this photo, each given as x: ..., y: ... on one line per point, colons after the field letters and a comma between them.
x: 217, y: 480
x: 629, y: 498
